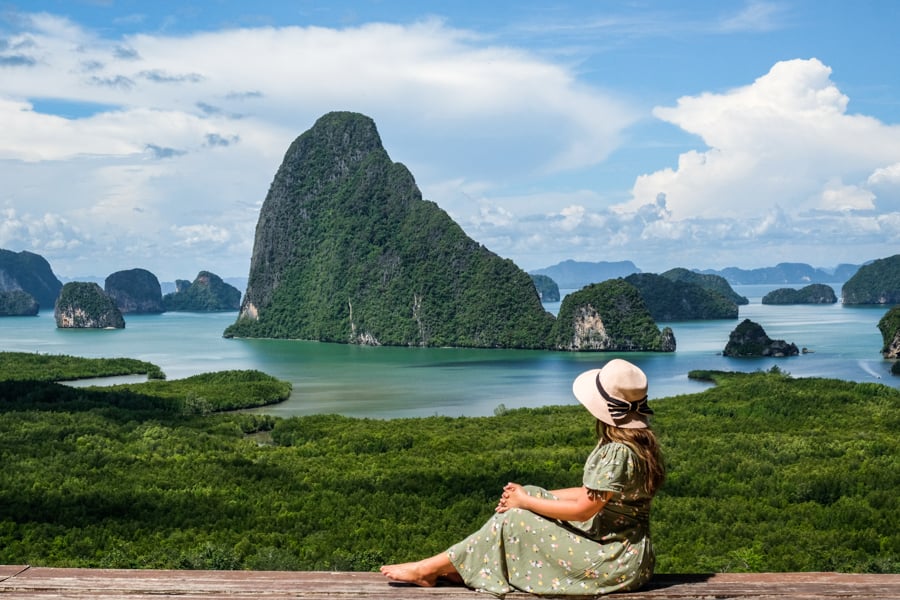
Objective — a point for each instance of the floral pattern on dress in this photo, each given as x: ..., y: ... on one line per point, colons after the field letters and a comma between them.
x: 521, y: 550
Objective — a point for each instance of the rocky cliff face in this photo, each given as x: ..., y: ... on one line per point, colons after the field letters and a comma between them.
x: 609, y: 316
x: 135, y: 291
x: 207, y: 293
x: 86, y: 305
x: 346, y: 250
x: 29, y: 273
x: 749, y: 339
x: 889, y: 326
x: 875, y: 283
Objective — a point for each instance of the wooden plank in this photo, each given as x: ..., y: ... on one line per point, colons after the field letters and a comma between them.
x: 7, y: 571
x: 44, y: 583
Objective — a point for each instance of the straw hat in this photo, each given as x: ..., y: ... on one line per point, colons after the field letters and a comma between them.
x: 615, y: 394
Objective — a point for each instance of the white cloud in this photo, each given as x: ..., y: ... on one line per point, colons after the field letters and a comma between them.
x: 839, y: 197
x: 189, y: 235
x: 170, y: 142
x: 779, y: 141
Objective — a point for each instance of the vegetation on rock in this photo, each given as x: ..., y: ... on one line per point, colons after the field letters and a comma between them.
x: 207, y: 293
x: 816, y: 293
x: 25, y: 366
x: 875, y: 283
x: 749, y: 339
x: 135, y: 291
x: 766, y: 473
x: 214, y: 392
x: 85, y: 305
x: 707, y: 281
x: 546, y: 288
x: 889, y: 326
x: 609, y: 316
x: 30, y: 273
x: 346, y: 250
x: 680, y: 300
x: 17, y: 303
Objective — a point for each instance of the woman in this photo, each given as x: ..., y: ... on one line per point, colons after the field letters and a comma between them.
x: 593, y: 539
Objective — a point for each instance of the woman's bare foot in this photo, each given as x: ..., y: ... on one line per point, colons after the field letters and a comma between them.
x: 413, y: 572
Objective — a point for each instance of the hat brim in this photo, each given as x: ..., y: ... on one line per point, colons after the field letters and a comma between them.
x: 585, y: 389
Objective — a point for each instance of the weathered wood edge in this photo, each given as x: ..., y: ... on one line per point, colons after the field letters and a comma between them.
x: 22, y: 581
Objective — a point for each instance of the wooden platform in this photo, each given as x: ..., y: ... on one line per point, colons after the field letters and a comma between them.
x: 31, y: 583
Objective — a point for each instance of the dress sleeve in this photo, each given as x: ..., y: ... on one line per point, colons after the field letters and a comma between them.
x: 610, y: 467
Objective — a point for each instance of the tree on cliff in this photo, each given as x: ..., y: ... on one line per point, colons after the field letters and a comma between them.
x: 346, y: 250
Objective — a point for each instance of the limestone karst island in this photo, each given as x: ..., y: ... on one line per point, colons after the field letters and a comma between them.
x: 346, y: 250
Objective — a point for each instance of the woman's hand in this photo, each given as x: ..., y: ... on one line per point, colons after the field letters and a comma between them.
x: 573, y: 504
x: 514, y: 496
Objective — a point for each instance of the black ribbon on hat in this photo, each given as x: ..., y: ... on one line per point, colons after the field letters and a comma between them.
x: 619, y: 409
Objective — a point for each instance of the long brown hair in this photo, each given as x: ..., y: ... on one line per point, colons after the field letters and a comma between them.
x: 643, y: 442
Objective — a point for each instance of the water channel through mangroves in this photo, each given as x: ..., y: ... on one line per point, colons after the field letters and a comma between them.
x: 389, y: 382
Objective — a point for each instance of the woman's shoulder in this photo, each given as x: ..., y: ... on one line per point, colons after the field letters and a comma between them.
x: 611, y: 451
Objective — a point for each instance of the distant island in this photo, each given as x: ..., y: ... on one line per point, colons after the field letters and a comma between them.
x: 18, y: 303
x: 570, y: 274
x: 207, y: 293
x: 785, y: 273
x: 30, y: 273
x: 875, y: 283
x: 573, y: 275
x: 815, y: 293
x: 749, y: 339
x: 680, y: 300
x: 135, y: 291
x: 84, y: 305
x: 546, y: 288
x: 609, y: 316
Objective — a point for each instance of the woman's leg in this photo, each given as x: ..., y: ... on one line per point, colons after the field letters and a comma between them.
x: 425, y: 572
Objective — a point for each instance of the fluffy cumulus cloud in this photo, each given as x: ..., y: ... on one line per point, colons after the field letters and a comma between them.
x: 786, y: 139
x: 156, y: 151
x: 150, y: 147
x: 784, y: 166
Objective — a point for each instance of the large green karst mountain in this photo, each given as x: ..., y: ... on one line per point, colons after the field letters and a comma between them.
x: 346, y: 250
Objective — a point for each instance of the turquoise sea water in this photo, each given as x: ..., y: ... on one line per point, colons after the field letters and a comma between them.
x: 407, y: 382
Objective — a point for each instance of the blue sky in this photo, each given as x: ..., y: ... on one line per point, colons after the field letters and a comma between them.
x: 672, y: 134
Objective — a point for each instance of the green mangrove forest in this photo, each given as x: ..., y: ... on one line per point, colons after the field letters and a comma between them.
x: 766, y: 472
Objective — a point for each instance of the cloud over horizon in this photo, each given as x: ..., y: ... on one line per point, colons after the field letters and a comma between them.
x: 156, y: 150
x: 171, y: 122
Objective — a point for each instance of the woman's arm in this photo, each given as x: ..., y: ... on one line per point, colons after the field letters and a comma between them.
x: 568, y: 493
x: 571, y: 504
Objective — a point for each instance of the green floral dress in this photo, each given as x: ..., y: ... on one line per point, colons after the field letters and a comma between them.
x: 520, y: 550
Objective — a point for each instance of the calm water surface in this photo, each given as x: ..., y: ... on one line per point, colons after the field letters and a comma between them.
x: 407, y: 382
